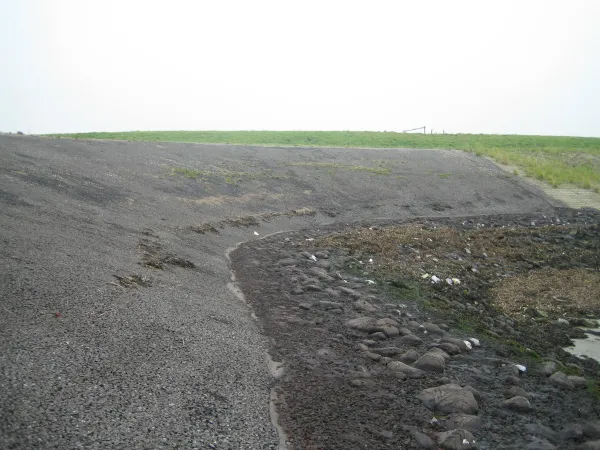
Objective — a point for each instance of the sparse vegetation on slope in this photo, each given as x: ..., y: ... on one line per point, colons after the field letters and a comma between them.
x: 554, y: 159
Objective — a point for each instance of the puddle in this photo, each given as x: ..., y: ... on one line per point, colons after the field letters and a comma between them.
x: 589, y: 347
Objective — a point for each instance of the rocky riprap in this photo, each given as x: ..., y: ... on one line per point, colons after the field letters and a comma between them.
x: 365, y: 370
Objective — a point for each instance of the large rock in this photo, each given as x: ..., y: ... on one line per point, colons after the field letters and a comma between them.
x: 591, y: 429
x: 458, y: 342
x: 366, y: 324
x: 390, y: 331
x: 590, y: 445
x: 449, y: 398
x: 332, y: 292
x: 518, y: 403
x: 411, y: 339
x: 431, y: 362
x: 317, y: 271
x: 514, y: 391
x: 571, y: 432
x: 289, y: 262
x: 398, y: 366
x: 323, y: 264
x: 424, y: 441
x: 548, y: 368
x: 387, y: 322
x: 409, y: 357
x: 539, y: 430
x: 364, y: 306
x: 464, y: 422
x: 562, y: 380
x: 350, y: 292
x: 578, y: 382
x: 326, y: 304
x: 538, y: 444
x: 386, y: 351
x: 449, y: 348
x: 433, y: 328
x: 438, y: 351
x: 456, y: 440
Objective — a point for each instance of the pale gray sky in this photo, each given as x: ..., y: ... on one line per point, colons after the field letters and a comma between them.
x: 484, y: 66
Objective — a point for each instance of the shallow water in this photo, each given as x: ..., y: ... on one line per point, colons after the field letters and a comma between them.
x: 589, y: 347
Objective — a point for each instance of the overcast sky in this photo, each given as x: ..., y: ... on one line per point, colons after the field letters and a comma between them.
x: 484, y: 66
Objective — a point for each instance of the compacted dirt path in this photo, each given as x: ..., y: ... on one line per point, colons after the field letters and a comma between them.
x: 119, y: 325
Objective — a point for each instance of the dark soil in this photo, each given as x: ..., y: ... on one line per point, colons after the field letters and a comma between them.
x: 304, y: 287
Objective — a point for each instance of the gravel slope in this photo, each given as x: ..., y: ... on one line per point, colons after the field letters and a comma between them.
x: 102, y: 349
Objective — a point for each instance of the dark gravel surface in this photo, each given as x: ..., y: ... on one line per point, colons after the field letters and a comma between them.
x: 339, y: 387
x: 117, y: 327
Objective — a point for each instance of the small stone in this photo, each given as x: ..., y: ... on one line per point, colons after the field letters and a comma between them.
x: 562, y: 380
x: 322, y: 254
x: 305, y: 305
x: 449, y: 398
x: 398, y: 366
x: 409, y: 356
x: 297, y: 291
x: 362, y: 347
x: 431, y: 362
x: 518, y: 403
x: 410, y: 339
x: 456, y: 440
x: 385, y: 360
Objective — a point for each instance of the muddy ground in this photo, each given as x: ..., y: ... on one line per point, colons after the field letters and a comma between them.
x: 526, y: 283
